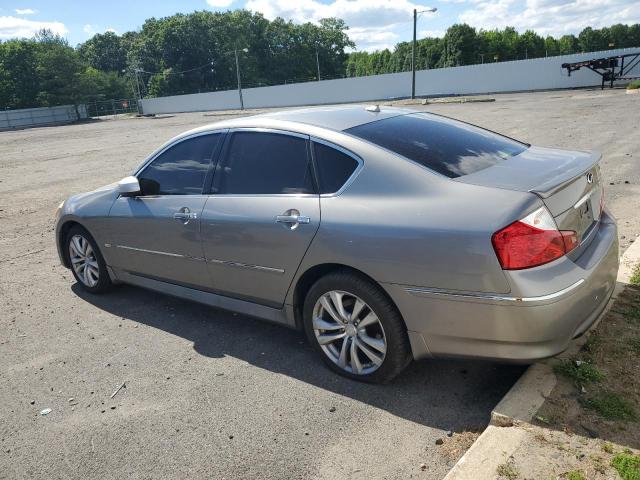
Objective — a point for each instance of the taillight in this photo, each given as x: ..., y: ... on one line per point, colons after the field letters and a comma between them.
x: 532, y: 241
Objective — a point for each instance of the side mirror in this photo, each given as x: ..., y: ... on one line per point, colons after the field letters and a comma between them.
x: 129, y: 187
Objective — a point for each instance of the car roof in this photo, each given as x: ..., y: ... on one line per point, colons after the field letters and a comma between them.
x: 336, y: 118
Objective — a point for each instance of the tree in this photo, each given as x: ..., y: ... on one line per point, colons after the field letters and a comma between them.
x: 18, y: 75
x: 104, y: 52
x: 460, y: 45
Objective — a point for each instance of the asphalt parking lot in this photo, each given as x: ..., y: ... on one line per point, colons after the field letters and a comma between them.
x: 210, y: 394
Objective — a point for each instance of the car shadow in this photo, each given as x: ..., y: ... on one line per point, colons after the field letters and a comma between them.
x: 446, y: 394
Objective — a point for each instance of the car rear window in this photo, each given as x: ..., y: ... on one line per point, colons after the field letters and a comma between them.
x: 447, y: 146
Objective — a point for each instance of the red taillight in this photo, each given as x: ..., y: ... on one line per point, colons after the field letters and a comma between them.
x: 531, y: 241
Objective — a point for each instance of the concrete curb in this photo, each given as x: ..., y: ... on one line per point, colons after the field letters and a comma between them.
x: 494, y: 446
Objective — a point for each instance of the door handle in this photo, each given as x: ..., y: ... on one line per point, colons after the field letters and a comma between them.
x: 185, y: 215
x: 293, y: 219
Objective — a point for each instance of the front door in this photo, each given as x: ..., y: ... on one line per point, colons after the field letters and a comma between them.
x: 157, y: 234
x: 262, y: 215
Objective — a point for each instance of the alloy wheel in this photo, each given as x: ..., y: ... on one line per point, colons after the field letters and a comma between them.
x: 84, y: 261
x: 349, y: 332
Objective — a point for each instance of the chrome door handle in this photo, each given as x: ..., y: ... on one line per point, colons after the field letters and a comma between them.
x: 293, y: 219
x: 185, y: 215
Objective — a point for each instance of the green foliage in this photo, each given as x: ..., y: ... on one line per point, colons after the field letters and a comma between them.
x: 574, y: 475
x: 463, y: 45
x: 635, y: 278
x: 191, y: 53
x: 611, y: 406
x: 627, y: 466
x: 582, y: 373
x: 508, y: 471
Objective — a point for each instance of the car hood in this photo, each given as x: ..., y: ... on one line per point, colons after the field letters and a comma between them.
x: 95, y: 202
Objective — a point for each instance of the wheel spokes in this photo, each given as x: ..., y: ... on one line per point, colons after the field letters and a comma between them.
x: 356, y: 366
x: 83, y: 261
x: 376, y: 343
x: 321, y: 324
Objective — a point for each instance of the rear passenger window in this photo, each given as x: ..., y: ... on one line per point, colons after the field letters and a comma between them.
x: 261, y: 163
x: 334, y: 167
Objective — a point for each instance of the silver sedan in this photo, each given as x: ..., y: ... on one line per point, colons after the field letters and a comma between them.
x: 385, y: 234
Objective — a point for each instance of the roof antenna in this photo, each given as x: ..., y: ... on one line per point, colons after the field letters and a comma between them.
x: 372, y: 108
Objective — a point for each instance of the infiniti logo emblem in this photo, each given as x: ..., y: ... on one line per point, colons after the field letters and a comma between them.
x: 589, y: 177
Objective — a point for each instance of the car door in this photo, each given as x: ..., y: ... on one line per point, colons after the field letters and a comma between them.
x: 157, y: 233
x: 262, y: 215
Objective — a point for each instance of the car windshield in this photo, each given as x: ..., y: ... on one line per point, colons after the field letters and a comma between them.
x: 447, y: 146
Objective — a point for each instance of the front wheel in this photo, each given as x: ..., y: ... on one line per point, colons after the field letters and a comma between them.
x: 356, y: 328
x: 86, y: 261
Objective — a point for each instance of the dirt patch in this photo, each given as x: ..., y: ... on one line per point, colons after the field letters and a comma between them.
x: 553, y: 454
x: 598, y: 390
x: 454, y: 447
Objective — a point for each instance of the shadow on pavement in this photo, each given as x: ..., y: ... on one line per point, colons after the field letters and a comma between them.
x: 446, y: 394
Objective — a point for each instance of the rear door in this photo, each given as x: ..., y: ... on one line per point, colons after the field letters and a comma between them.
x: 262, y: 215
x: 157, y: 234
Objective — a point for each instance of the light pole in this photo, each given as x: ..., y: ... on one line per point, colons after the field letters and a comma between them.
x: 413, y: 49
x: 245, y: 50
x: 318, y: 62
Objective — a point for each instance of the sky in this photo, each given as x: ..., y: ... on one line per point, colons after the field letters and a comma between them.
x: 374, y: 24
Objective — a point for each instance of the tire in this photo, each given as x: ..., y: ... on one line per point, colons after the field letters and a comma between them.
x: 364, y: 330
x: 80, y: 245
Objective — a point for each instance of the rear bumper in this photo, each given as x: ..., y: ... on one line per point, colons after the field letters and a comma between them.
x: 546, y: 308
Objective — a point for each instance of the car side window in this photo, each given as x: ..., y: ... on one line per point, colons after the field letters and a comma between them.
x: 262, y: 163
x: 180, y: 170
x: 334, y: 167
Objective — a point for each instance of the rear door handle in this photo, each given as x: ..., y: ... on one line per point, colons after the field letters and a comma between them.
x: 293, y: 219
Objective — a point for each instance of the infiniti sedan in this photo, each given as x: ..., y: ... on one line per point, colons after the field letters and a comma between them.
x: 385, y: 234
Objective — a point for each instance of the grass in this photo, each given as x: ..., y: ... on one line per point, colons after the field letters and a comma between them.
x: 634, y: 85
x: 507, y: 470
x: 635, y: 278
x: 627, y: 465
x: 582, y: 373
x: 607, y: 447
x: 592, y: 344
x: 574, y: 475
x: 611, y: 406
x: 634, y: 344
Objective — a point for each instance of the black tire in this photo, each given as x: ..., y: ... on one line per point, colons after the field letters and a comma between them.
x: 398, y: 350
x: 104, y: 281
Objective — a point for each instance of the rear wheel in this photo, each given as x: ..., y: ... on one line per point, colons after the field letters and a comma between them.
x: 356, y: 329
x: 86, y: 261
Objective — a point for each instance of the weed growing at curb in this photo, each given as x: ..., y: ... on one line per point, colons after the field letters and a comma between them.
x: 627, y: 465
x: 574, y: 475
x: 635, y: 278
x: 611, y: 406
x: 607, y: 447
x: 507, y: 470
x: 580, y: 372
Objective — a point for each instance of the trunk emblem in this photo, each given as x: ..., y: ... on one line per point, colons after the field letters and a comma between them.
x: 589, y: 177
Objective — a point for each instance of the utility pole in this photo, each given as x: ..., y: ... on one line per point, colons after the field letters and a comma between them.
x: 413, y: 49
x: 318, y: 62
x: 482, y: 57
x: 138, y: 90
x: 239, y: 83
x: 413, y: 55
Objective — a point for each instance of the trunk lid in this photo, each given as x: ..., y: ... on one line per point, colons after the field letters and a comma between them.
x: 568, y: 182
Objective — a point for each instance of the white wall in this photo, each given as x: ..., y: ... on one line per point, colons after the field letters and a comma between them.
x: 521, y: 75
x: 33, y: 117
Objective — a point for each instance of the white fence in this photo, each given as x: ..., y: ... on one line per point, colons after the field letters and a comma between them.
x: 520, y: 75
x: 35, y: 117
